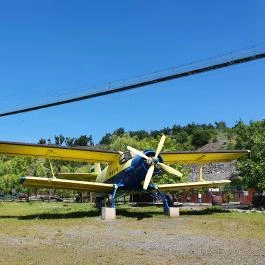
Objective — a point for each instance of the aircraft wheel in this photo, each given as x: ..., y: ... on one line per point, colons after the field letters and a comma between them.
x: 99, y: 202
x: 170, y: 200
x: 110, y: 200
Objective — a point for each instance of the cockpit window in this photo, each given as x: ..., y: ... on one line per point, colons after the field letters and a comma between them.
x: 125, y: 157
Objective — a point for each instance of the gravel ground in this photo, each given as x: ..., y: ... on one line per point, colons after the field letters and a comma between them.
x: 152, y: 239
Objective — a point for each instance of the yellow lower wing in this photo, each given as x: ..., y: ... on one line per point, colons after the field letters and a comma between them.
x: 78, y: 176
x: 52, y: 183
x: 192, y: 185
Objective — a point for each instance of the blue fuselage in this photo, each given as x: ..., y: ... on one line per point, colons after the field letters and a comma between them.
x: 131, y: 178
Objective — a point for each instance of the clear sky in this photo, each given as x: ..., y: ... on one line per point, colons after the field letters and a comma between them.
x: 50, y: 46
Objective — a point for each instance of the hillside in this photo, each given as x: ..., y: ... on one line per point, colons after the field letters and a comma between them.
x: 214, y: 171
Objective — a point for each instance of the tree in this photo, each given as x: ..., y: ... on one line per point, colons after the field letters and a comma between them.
x: 121, y: 143
x: 191, y: 128
x: 200, y: 138
x: 252, y: 168
x: 59, y: 139
x: 181, y: 137
x: 84, y: 140
x: 22, y: 166
x: 69, y: 141
x: 140, y: 135
x: 221, y: 125
x: 12, y: 169
x: 119, y: 132
x: 166, y: 131
x: 106, y: 139
x: 42, y: 141
x: 177, y: 129
x: 155, y: 134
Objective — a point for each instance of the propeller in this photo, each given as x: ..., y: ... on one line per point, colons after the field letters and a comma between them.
x: 148, y: 176
x: 160, y: 145
x: 170, y: 170
x: 153, y: 161
x: 137, y: 152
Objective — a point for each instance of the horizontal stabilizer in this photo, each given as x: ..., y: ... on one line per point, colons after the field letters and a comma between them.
x: 78, y: 176
x: 54, y: 183
x: 192, y: 185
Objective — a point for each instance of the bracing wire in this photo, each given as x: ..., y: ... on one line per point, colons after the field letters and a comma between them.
x: 85, y: 92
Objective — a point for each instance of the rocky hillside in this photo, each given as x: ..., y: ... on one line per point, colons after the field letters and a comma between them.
x: 214, y: 171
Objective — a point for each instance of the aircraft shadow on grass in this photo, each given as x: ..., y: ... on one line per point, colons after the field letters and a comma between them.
x: 205, y: 211
x: 139, y: 215
x: 120, y: 212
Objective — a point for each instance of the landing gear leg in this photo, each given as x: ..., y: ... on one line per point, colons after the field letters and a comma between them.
x: 112, y: 199
x: 165, y: 200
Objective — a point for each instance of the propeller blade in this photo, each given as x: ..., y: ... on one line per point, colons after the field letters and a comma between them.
x: 148, y: 176
x: 170, y: 170
x: 137, y: 152
x: 160, y: 145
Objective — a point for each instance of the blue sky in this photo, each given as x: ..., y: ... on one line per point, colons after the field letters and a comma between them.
x: 47, y: 47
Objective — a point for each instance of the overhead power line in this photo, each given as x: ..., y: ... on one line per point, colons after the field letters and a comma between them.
x: 158, y: 78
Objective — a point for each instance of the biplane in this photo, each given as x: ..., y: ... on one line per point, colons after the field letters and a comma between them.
x: 119, y: 173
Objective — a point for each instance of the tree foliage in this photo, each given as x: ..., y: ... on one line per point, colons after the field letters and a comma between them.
x: 252, y: 168
x: 12, y: 169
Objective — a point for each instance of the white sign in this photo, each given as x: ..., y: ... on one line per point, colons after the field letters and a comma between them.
x: 214, y: 189
x: 245, y: 193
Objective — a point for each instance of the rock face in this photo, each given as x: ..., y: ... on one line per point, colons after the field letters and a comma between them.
x: 213, y: 171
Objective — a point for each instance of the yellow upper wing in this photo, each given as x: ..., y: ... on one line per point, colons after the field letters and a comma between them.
x: 61, y: 153
x: 195, y: 157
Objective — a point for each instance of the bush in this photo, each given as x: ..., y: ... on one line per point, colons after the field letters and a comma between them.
x: 200, y: 138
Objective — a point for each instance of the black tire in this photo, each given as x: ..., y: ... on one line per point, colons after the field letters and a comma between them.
x: 99, y: 202
x: 170, y: 200
x: 110, y: 200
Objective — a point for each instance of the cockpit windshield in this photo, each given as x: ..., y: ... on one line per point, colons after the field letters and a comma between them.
x: 125, y: 156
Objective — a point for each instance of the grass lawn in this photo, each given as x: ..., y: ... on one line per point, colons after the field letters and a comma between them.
x: 60, y: 233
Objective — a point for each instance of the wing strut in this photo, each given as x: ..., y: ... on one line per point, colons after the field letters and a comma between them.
x: 53, y: 176
x: 200, y: 176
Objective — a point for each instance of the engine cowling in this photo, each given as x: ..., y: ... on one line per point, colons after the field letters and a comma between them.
x: 151, y: 153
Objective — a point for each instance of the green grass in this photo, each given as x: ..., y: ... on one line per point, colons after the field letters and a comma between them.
x: 33, y: 210
x: 69, y: 233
